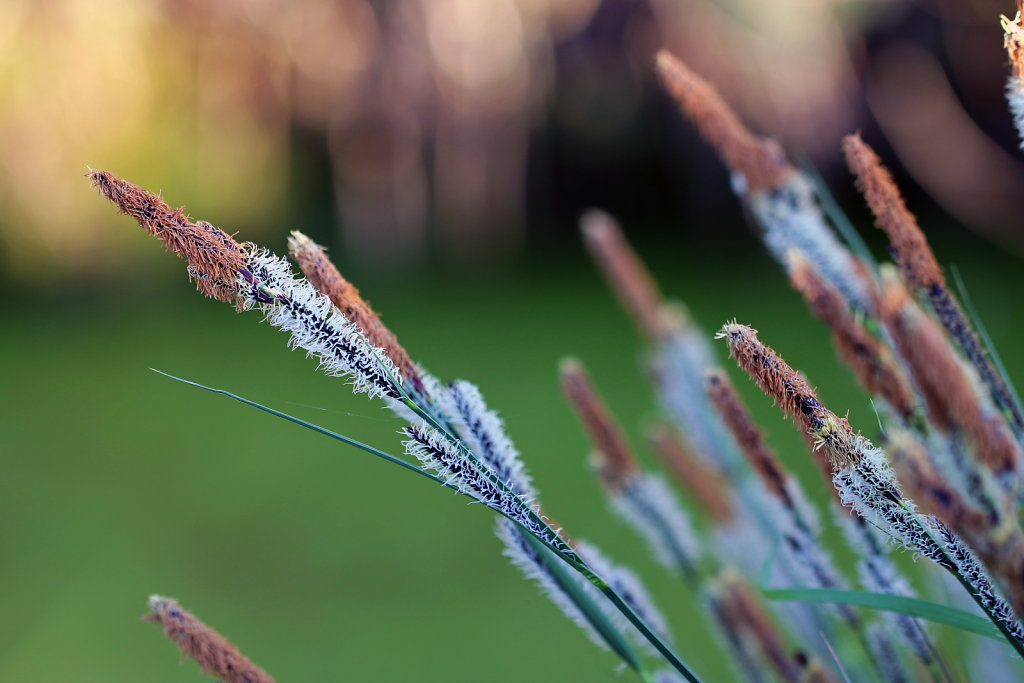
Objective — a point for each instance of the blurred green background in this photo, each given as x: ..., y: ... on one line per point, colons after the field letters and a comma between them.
x: 445, y: 164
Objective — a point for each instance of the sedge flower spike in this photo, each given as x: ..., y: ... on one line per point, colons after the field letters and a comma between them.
x: 780, y: 198
x: 214, y: 258
x: 863, y: 478
x: 212, y: 651
x: 1013, y: 41
x: 644, y: 500
x: 253, y: 278
x: 437, y: 453
x: 867, y: 356
x: 948, y: 386
x: 322, y: 274
x: 625, y: 272
x: 921, y: 269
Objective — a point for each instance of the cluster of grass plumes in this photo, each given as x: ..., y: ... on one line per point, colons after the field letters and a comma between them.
x: 943, y: 479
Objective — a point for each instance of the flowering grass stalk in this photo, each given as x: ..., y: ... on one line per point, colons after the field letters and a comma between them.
x: 922, y: 271
x: 254, y: 278
x: 779, y: 196
x: 212, y: 651
x: 864, y: 480
x: 646, y: 503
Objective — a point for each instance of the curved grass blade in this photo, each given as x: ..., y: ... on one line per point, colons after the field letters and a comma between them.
x: 314, y: 427
x: 569, y: 560
x: 915, y: 607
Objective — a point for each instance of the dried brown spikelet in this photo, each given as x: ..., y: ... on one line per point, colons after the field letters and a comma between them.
x: 212, y: 651
x: 625, y: 272
x: 791, y: 392
x: 761, y: 162
x: 871, y: 360
x: 616, y: 463
x: 704, y: 483
x: 951, y: 397
x: 1013, y: 41
x: 907, y: 242
x: 737, y: 418
x: 323, y: 275
x: 214, y: 257
x: 744, y: 613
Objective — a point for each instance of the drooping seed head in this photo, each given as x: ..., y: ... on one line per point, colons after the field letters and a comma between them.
x: 212, y: 651
x: 215, y: 259
x: 760, y: 162
x: 907, y: 242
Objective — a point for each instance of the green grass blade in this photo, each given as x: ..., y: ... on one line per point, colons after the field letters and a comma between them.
x: 915, y: 607
x: 314, y: 427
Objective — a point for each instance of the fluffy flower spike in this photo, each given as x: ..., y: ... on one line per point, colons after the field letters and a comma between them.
x: 212, y: 651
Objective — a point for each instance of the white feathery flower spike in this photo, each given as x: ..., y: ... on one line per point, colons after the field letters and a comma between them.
x: 485, y: 435
x: 436, y: 452
x: 791, y: 218
x: 316, y: 326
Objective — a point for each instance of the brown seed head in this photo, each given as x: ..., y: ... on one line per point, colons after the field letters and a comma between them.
x: 907, y: 242
x: 1013, y: 41
x: 750, y: 439
x: 625, y: 272
x: 212, y: 651
x: 789, y: 390
x: 951, y: 396
x: 215, y: 259
x: 761, y: 162
x: 319, y: 270
x: 616, y: 463
x: 871, y: 361
x: 705, y: 484
x: 743, y: 612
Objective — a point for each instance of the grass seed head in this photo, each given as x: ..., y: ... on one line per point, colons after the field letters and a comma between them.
x: 212, y: 651
x: 871, y: 361
x: 761, y: 162
x: 615, y: 461
x: 907, y: 242
x: 704, y: 483
x: 625, y: 272
x: 215, y: 259
x: 319, y: 270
